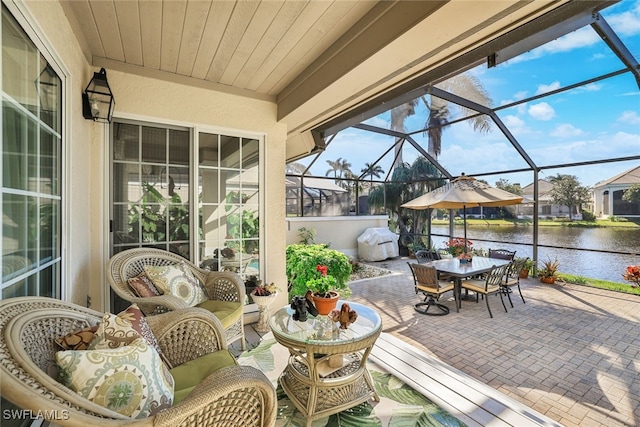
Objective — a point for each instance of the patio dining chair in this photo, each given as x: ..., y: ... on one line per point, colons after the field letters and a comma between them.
x: 491, y: 284
x: 426, y: 280
x: 221, y: 293
x: 512, y: 278
x: 502, y: 254
x: 423, y: 256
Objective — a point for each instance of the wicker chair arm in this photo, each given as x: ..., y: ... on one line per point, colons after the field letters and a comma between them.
x: 187, y: 334
x: 224, y: 286
x: 239, y: 393
x: 158, y: 304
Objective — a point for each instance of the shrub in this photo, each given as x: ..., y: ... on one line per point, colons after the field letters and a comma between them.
x: 588, y: 216
x: 302, y: 263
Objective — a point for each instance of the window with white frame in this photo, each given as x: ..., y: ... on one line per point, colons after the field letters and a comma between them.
x: 190, y: 192
x: 31, y: 167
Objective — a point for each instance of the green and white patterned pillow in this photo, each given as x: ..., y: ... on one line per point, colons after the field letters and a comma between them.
x: 130, y: 380
x: 177, y: 280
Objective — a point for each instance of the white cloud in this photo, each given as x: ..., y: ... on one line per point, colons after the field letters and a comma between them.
x: 591, y: 87
x: 583, y: 37
x: 542, y: 111
x: 565, y: 130
x: 626, y: 23
x: 378, y: 121
x: 629, y: 117
x: 548, y: 88
x: 513, y: 122
x: 519, y: 128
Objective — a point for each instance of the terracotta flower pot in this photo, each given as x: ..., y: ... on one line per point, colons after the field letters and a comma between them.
x: 548, y: 280
x: 524, y: 273
x: 325, y: 305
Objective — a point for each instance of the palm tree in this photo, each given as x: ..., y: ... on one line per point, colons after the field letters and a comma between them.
x: 425, y: 177
x: 338, y: 167
x: 345, y: 167
x: 398, y: 116
x: 335, y: 167
x: 466, y: 86
x: 372, y: 170
x: 463, y: 85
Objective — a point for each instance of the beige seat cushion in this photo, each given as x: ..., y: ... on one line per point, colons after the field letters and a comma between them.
x: 188, y: 375
x: 227, y: 312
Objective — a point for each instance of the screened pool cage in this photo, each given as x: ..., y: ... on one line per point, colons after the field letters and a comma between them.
x: 514, y: 116
x: 511, y: 112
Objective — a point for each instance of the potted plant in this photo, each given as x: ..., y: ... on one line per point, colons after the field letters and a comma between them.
x: 323, y: 271
x: 323, y: 287
x: 457, y: 246
x: 465, y: 257
x: 632, y: 274
x: 549, y: 271
x: 263, y: 295
x: 526, y: 268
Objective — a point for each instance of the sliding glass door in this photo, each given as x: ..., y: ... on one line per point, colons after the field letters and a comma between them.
x: 31, y: 168
x: 190, y: 192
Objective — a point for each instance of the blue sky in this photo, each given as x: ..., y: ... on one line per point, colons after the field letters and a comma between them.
x: 592, y: 122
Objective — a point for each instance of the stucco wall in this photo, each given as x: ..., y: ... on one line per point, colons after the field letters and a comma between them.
x: 160, y: 101
x: 341, y: 232
x: 86, y: 161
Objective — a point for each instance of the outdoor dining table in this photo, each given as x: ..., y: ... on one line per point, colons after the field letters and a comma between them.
x: 454, y: 268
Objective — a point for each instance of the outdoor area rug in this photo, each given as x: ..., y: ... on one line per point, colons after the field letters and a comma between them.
x: 399, y: 404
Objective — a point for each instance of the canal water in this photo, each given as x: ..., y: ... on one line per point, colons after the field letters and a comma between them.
x: 586, y: 263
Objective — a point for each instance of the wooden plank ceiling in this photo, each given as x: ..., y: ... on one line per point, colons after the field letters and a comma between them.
x: 316, y: 58
x: 258, y: 46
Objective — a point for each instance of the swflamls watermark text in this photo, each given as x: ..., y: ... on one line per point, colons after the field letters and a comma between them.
x: 28, y: 414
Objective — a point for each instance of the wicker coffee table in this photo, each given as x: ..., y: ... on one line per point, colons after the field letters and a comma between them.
x: 327, y: 370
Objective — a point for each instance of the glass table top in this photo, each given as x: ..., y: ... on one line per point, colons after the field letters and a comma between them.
x: 322, y: 330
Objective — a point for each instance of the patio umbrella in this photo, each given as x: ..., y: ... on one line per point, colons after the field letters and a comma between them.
x: 462, y: 192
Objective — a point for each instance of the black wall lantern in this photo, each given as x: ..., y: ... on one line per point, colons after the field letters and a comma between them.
x: 97, y: 99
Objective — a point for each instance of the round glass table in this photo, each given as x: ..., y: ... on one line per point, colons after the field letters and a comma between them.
x: 326, y: 372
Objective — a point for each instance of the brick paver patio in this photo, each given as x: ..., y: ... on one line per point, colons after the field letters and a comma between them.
x: 571, y: 352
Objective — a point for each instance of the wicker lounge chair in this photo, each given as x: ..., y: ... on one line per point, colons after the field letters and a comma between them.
x: 231, y: 396
x: 225, y: 290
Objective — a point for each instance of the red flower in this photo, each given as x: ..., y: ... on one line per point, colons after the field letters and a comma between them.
x: 322, y: 269
x: 457, y: 246
x: 632, y: 274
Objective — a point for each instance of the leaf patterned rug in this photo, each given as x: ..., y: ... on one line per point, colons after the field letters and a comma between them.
x: 399, y: 406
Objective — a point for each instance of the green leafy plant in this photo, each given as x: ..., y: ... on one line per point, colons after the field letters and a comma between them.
x: 302, y: 268
x: 243, y: 226
x: 307, y: 235
x: 153, y: 213
x: 528, y: 264
x: 323, y: 284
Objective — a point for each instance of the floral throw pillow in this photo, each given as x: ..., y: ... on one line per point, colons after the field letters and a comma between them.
x: 130, y: 380
x: 143, y: 286
x: 177, y: 280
